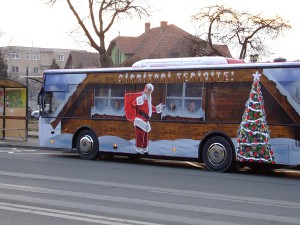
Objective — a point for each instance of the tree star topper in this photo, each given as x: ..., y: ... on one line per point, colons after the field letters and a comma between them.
x: 256, y: 75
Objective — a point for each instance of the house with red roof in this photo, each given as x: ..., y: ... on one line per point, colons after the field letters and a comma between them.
x: 166, y: 41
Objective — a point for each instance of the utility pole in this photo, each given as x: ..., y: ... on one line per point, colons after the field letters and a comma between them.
x: 27, y: 116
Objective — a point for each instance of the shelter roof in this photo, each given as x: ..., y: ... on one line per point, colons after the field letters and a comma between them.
x: 8, y: 83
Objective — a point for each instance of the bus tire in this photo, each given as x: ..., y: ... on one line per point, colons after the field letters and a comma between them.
x: 218, y: 154
x: 87, y: 145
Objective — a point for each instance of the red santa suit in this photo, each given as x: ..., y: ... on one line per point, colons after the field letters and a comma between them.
x: 144, y: 110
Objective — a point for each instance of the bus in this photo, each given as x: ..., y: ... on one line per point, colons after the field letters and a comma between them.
x: 216, y: 111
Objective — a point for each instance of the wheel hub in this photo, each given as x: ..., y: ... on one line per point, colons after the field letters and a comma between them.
x: 86, y: 144
x: 216, y: 154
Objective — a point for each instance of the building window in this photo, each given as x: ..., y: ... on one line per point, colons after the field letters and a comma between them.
x: 27, y: 56
x: 35, y: 70
x: 15, y: 69
x: 27, y: 69
x: 36, y: 56
x: 61, y: 57
x: 117, y: 57
x: 15, y: 55
x: 184, y: 100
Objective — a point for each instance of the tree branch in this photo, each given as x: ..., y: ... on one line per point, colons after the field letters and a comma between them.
x: 242, y: 29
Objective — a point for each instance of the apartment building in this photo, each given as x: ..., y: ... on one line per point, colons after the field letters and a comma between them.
x: 36, y: 60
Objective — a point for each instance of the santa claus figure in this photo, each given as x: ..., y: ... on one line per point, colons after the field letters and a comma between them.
x: 144, y: 109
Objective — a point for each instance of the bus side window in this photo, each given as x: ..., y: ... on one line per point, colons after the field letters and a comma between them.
x: 184, y: 100
x: 108, y: 100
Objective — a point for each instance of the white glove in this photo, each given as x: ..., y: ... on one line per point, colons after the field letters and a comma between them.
x: 159, y: 108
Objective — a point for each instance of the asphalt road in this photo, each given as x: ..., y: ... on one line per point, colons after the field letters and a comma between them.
x: 52, y: 187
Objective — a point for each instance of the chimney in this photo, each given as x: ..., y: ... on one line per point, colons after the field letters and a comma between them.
x: 163, y: 24
x: 147, y: 27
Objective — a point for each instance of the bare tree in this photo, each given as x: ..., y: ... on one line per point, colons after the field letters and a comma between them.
x: 242, y: 30
x: 100, y: 17
x: 199, y: 47
x: 3, y: 64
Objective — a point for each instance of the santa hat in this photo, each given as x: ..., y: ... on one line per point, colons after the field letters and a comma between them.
x: 149, y: 87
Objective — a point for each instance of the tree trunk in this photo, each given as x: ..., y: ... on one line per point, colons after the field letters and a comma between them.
x: 105, y: 60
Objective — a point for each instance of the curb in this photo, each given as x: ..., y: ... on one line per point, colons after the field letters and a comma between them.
x: 16, y: 145
x: 26, y: 144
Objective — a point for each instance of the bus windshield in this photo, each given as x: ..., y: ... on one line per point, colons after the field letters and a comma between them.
x: 57, y: 89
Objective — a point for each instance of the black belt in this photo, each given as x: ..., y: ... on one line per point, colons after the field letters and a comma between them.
x: 143, y: 114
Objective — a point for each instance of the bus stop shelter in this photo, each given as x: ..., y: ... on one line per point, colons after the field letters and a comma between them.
x: 13, y: 110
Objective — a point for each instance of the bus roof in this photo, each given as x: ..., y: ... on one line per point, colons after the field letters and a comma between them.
x: 259, y: 65
x: 187, y: 61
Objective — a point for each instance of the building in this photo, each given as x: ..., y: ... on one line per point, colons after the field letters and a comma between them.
x: 82, y: 59
x: 166, y: 41
x: 36, y: 60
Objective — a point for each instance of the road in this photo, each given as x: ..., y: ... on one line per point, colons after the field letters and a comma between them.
x: 53, y: 187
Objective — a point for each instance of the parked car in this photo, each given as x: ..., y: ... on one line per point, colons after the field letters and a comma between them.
x: 35, y: 114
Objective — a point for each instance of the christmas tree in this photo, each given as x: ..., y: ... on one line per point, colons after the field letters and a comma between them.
x: 253, y: 133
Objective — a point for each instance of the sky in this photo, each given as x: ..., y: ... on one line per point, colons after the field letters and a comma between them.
x: 33, y: 23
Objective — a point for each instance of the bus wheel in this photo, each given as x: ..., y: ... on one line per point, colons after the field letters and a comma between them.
x: 217, y: 154
x: 87, y: 145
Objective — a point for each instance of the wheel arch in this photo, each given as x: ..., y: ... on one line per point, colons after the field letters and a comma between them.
x: 77, y: 132
x: 214, y: 134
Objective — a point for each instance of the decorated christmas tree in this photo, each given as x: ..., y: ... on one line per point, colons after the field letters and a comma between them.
x: 253, y: 134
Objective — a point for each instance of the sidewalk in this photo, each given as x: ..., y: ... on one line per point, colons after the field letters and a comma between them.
x: 32, y: 141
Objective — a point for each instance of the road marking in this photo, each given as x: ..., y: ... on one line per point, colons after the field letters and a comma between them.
x: 196, y: 194
x: 156, y: 204
x: 71, y: 215
x: 46, y: 153
x: 127, y: 211
x: 15, y: 150
x: 34, y: 152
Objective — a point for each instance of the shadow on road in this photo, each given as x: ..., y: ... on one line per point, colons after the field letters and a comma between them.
x: 282, y: 173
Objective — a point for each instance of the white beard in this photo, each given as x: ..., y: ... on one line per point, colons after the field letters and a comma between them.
x: 149, y: 98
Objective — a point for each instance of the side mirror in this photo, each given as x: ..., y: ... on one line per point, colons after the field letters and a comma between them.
x: 40, y: 101
x: 39, y: 98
